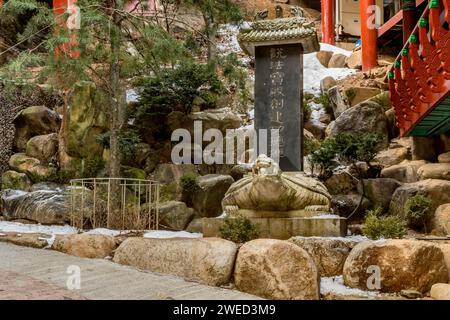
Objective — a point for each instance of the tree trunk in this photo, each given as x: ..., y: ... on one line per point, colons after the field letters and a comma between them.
x: 210, y: 30
x: 63, y: 158
x: 115, y: 215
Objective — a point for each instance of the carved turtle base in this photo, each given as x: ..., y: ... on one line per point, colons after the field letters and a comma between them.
x: 284, y: 228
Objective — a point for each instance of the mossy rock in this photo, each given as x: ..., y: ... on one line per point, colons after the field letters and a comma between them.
x: 134, y: 173
x: 16, y: 181
x: 87, y: 119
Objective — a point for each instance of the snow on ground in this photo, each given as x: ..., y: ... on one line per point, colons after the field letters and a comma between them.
x: 336, y: 285
x: 357, y: 238
x: 6, y: 226
x: 161, y: 234
x: 314, y: 71
x: 106, y: 232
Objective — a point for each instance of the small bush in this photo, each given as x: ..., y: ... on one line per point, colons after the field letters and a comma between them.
x: 239, y: 229
x: 324, y: 100
x: 387, y: 227
x: 189, y: 184
x: 168, y: 192
x: 60, y: 177
x: 418, y: 211
x: 128, y: 140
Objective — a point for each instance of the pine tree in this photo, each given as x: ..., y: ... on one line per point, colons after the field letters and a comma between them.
x: 215, y: 12
x: 114, y: 45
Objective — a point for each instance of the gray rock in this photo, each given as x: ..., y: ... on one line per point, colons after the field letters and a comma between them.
x: 175, y: 215
x: 34, y: 121
x: 366, y: 117
x: 207, y: 199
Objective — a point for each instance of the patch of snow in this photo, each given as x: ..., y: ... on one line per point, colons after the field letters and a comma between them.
x: 314, y: 71
x: 6, y: 226
x: 160, y: 234
x: 105, y: 232
x: 317, y: 110
x: 357, y: 238
x: 336, y: 285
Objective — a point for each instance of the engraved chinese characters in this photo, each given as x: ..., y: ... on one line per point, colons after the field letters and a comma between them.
x: 278, y: 87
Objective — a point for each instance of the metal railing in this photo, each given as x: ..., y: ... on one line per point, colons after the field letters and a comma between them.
x: 114, y: 203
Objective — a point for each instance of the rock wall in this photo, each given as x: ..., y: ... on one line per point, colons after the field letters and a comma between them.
x: 10, y: 105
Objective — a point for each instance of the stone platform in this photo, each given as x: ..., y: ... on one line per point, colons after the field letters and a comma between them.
x: 285, y: 228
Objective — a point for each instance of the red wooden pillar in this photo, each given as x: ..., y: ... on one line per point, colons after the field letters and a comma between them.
x: 409, y: 18
x: 328, y: 21
x: 369, y: 34
x: 59, y: 8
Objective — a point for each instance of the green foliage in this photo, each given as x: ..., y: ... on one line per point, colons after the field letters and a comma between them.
x: 418, y: 211
x: 128, y: 140
x: 91, y: 167
x: 188, y: 184
x: 324, y: 100
x: 311, y: 146
x: 344, y: 148
x: 168, y: 192
x: 388, y: 227
x: 239, y: 229
x: 176, y: 89
x: 351, y: 148
x: 306, y: 109
x: 324, y: 157
x: 60, y: 177
x: 351, y: 94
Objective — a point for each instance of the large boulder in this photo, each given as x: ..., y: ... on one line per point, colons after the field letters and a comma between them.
x: 444, y: 157
x: 445, y: 248
x: 391, y: 157
x: 34, y: 121
x: 424, y: 148
x: 34, y: 168
x: 403, y: 265
x: 175, y: 215
x: 379, y: 191
x: 337, y: 100
x: 207, y: 260
x: 337, y: 61
x: 366, y: 117
x: 341, y: 182
x: 15, y: 180
x: 345, y: 204
x: 169, y: 173
x: 207, y: 198
x: 86, y: 120
x: 327, y: 83
x: 354, y: 61
x: 324, y: 57
x: 42, y: 206
x: 43, y: 147
x: 440, y: 291
x: 405, y: 171
x: 329, y: 254
x: 438, y: 191
x: 356, y: 95
x: 276, y: 269
x: 85, y: 245
x: 434, y: 171
x: 440, y: 222
x: 221, y: 119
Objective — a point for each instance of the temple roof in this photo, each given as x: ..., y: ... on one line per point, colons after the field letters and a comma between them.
x: 279, y: 31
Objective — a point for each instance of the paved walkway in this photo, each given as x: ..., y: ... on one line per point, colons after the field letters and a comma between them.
x: 27, y: 273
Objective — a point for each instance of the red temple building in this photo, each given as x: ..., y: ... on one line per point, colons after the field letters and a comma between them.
x: 419, y: 80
